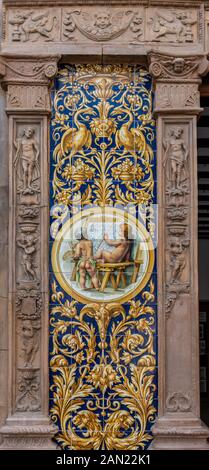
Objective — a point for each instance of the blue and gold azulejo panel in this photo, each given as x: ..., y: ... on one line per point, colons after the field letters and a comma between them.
x: 103, y: 332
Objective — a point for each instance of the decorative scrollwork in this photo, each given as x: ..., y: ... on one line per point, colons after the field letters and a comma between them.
x: 102, y: 354
x: 105, y: 399
x: 103, y: 137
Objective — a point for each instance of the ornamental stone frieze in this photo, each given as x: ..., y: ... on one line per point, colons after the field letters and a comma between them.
x: 95, y: 24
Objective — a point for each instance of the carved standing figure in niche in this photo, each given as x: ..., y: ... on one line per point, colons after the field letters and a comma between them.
x: 176, y: 155
x: 26, y: 158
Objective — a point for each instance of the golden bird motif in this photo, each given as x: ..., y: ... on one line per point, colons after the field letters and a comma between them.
x: 74, y: 139
x: 132, y: 139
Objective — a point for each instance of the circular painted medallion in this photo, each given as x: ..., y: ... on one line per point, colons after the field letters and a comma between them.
x: 103, y: 255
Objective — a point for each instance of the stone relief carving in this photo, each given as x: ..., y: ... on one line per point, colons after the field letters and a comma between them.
x: 27, y: 397
x: 27, y: 97
x: 28, y: 304
x: 172, y: 25
x: 177, y: 247
x: 26, y: 162
x: 20, y: 72
x: 28, y: 212
x: 103, y: 25
x: 33, y: 25
x: 29, y: 334
x: 178, y: 401
x: 173, y: 96
x: 27, y: 242
x: 176, y: 161
x: 176, y: 170
x: 168, y: 67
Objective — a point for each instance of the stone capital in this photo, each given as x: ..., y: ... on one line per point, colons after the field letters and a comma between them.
x: 27, y: 82
x: 28, y: 70
x: 176, y: 82
x: 178, y: 68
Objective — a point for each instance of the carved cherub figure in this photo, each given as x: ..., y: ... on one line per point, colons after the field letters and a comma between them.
x: 102, y: 20
x: 28, y: 244
x: 178, y: 259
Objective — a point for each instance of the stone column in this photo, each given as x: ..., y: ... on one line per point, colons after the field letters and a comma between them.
x: 27, y: 82
x: 176, y: 81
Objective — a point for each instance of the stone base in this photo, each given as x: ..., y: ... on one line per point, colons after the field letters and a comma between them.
x: 171, y: 435
x: 27, y: 435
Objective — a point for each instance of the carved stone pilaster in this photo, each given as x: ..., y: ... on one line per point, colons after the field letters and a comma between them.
x: 176, y: 81
x: 27, y: 84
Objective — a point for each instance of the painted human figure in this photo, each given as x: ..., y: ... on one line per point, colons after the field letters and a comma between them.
x: 86, y: 265
x: 122, y: 246
x: 27, y: 154
x: 176, y: 154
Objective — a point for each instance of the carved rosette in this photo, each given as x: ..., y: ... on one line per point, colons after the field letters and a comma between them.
x: 28, y: 103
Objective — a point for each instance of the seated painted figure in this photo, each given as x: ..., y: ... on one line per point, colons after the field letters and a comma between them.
x: 122, y: 251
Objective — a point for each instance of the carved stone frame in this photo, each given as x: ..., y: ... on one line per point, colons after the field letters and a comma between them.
x: 178, y: 425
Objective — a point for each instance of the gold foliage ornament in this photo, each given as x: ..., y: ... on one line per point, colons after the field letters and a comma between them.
x: 103, y: 127
x: 103, y: 371
x: 103, y: 400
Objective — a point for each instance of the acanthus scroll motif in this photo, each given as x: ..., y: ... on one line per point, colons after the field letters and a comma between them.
x: 28, y: 391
